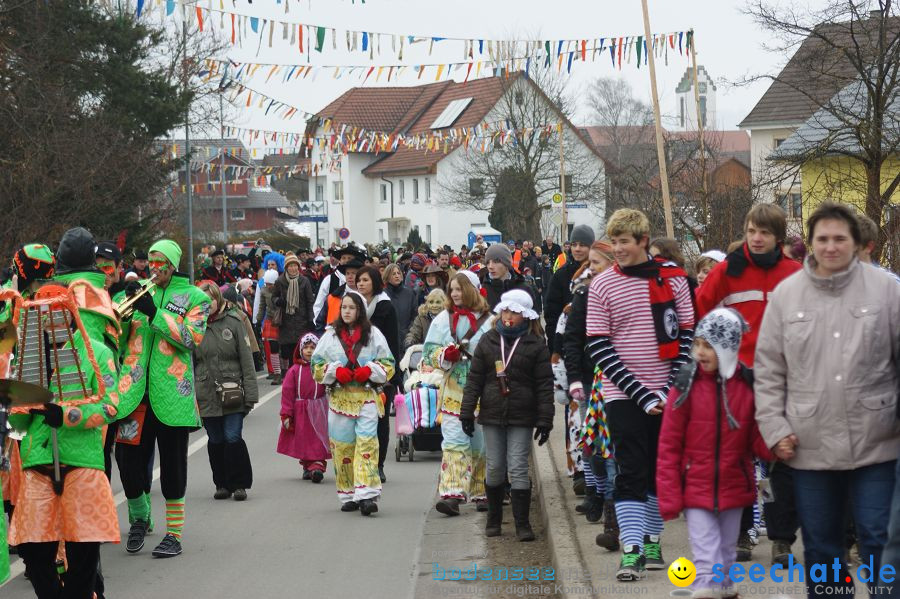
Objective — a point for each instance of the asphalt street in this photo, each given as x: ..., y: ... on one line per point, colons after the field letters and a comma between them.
x: 289, y: 538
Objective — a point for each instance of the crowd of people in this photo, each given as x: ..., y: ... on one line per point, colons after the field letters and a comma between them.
x: 685, y: 388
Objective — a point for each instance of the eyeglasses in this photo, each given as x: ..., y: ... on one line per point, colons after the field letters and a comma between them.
x: 107, y: 267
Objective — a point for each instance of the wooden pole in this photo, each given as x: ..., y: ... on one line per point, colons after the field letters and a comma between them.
x: 705, y: 198
x: 660, y: 149
x: 564, y: 227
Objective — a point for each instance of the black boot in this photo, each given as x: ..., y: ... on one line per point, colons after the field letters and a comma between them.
x: 216, y: 453
x: 609, y: 538
x: 521, y: 504
x: 448, y: 506
x: 240, y: 472
x: 595, y: 507
x: 589, y: 494
x: 495, y: 497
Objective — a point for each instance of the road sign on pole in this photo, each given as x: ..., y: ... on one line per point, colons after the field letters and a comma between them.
x: 344, y: 233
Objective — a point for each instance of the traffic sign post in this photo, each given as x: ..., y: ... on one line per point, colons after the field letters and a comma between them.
x: 557, y: 198
x: 344, y: 233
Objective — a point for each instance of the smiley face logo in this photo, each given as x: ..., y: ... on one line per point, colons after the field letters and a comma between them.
x: 682, y: 572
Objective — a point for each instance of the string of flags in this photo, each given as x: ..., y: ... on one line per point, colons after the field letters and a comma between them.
x: 307, y: 38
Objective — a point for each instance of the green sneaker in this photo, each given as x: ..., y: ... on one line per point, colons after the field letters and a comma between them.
x: 632, y: 566
x: 653, y: 553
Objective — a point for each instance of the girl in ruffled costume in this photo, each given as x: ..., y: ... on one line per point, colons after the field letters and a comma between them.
x: 449, y: 346
x: 353, y: 360
x: 304, y: 414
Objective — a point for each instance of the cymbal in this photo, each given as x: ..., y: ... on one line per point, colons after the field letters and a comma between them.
x: 18, y: 393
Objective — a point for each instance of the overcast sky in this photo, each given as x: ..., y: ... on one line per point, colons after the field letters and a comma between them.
x: 729, y: 44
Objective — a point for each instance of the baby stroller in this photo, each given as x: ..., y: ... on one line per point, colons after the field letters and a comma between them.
x: 421, y: 398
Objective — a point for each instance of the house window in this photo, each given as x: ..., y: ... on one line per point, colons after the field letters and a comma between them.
x: 320, y: 192
x: 337, y: 192
x: 427, y: 189
x: 703, y: 110
x: 792, y: 204
x: 682, y: 111
x: 476, y: 187
x: 402, y: 191
x: 237, y: 215
x: 415, y: 191
x: 778, y: 142
x: 384, y: 194
x: 428, y: 234
x: 381, y: 232
x: 568, y: 183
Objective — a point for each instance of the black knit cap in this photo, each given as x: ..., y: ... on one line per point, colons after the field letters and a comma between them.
x: 77, y: 250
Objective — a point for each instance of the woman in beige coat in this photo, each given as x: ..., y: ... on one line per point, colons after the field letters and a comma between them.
x: 826, y: 391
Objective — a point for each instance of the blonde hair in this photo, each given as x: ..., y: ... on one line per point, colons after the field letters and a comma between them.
x: 471, y: 298
x: 214, y: 293
x: 389, y: 272
x: 626, y: 221
x: 439, y: 293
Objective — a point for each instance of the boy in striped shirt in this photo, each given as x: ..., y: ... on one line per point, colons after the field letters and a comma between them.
x: 640, y: 320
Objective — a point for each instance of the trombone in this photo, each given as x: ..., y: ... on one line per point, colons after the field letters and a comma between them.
x: 125, y: 310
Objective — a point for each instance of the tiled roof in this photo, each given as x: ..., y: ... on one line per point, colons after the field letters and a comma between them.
x: 824, y: 133
x: 204, y: 150
x: 783, y: 103
x: 379, y: 108
x: 256, y: 198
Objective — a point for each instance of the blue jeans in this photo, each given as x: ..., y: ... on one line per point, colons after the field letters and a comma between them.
x: 823, y: 498
x: 891, y: 553
x: 224, y: 429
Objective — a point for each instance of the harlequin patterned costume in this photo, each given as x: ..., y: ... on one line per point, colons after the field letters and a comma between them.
x: 354, y: 409
x: 463, y: 459
x: 156, y: 388
x: 83, y: 515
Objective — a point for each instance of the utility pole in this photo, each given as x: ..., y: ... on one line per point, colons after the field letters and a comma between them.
x: 660, y: 149
x: 187, y: 151
x: 222, y: 173
x: 705, y: 202
x: 564, y: 227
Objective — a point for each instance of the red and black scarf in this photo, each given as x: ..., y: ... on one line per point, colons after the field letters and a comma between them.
x: 350, y: 341
x: 662, y: 301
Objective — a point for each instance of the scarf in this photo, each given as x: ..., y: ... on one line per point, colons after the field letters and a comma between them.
x: 454, y: 319
x: 662, y: 301
x: 349, y: 340
x: 512, y: 332
x: 738, y: 262
x: 293, y: 294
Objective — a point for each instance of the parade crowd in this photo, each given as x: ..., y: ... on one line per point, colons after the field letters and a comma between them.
x: 754, y: 388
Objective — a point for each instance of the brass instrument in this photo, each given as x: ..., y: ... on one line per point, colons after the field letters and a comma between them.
x: 125, y: 310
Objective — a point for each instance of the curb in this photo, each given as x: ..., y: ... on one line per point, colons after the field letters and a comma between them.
x: 569, y: 563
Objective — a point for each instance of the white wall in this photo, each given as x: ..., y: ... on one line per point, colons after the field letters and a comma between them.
x: 762, y: 143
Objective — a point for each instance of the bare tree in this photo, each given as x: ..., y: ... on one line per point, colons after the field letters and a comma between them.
x: 847, y: 69
x: 516, y: 179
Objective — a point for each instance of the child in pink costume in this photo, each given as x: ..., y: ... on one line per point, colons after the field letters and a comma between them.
x: 304, y: 414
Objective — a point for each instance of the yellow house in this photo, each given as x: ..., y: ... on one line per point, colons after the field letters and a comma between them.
x: 824, y: 147
x: 842, y: 179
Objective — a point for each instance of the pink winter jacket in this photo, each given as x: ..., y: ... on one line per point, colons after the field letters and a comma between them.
x: 702, y: 463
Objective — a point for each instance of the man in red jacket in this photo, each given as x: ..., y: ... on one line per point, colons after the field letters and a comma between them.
x: 743, y: 281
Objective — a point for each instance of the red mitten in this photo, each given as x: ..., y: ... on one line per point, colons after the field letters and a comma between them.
x: 343, y: 375
x: 287, y: 423
x: 362, y: 374
x: 451, y: 354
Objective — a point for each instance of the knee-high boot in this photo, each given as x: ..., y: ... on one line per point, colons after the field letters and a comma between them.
x: 521, y: 504
x: 495, y: 497
x: 240, y: 471
x: 217, y: 464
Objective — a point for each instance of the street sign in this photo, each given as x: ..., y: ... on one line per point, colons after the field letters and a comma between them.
x: 556, y: 218
x: 557, y: 198
x: 344, y: 233
x: 313, y: 219
x: 576, y: 206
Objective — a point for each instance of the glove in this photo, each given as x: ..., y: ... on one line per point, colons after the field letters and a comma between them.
x: 132, y: 287
x: 468, y: 426
x: 451, y: 354
x: 541, y: 434
x: 577, y: 392
x: 279, y: 301
x: 145, y: 304
x: 52, y: 413
x: 287, y: 423
x: 343, y: 375
x: 362, y: 374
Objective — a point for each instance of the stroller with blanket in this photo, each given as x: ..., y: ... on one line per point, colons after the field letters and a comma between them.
x: 421, y: 402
